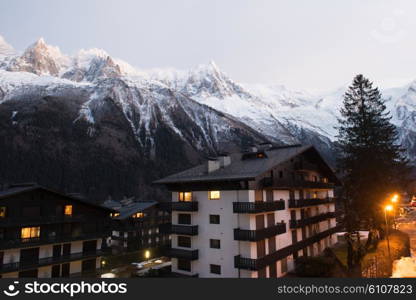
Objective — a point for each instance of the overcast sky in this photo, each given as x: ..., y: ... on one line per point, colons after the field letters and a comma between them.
x: 304, y: 44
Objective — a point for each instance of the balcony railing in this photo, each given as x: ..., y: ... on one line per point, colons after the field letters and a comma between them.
x: 44, y: 220
x: 312, y: 220
x: 184, y: 206
x: 260, y: 234
x: 309, y: 202
x: 183, y: 254
x: 270, y: 182
x: 259, y: 263
x: 31, y: 242
x: 20, y: 266
x: 179, y: 229
x: 257, y: 207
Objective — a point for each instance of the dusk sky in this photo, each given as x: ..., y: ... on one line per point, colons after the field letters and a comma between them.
x: 313, y: 45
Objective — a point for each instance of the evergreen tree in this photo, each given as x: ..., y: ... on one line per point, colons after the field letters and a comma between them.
x: 369, y: 158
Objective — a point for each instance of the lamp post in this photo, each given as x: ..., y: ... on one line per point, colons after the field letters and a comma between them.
x: 394, y: 199
x: 387, y: 208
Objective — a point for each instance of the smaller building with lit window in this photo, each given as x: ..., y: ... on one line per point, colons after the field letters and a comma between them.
x: 46, y: 234
x: 138, y: 226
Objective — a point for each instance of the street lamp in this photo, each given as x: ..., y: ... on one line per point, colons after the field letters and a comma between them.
x: 394, y: 199
x: 387, y: 208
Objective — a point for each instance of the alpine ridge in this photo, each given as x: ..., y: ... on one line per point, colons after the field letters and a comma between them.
x: 93, y: 124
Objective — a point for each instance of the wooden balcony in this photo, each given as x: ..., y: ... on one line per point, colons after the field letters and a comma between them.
x: 270, y: 182
x: 312, y: 220
x: 183, y: 254
x: 259, y: 263
x: 260, y: 234
x: 257, y: 207
x: 309, y: 202
x: 179, y: 229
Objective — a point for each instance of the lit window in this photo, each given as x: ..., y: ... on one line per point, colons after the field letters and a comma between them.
x: 2, y: 211
x: 185, y: 196
x: 30, y: 232
x: 68, y: 210
x: 214, y: 195
x: 138, y: 215
x: 114, y: 215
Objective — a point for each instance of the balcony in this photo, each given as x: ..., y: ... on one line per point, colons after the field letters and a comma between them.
x: 259, y: 263
x: 179, y: 229
x: 32, y: 242
x: 182, y: 253
x: 184, y: 206
x: 257, y: 207
x: 41, y: 220
x: 270, y: 182
x: 311, y: 220
x: 20, y: 266
x: 260, y: 234
x: 309, y: 202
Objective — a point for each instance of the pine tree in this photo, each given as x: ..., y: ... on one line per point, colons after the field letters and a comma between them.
x: 370, y: 160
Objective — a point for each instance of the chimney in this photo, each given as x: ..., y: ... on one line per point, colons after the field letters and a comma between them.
x: 213, y: 164
x: 224, y: 159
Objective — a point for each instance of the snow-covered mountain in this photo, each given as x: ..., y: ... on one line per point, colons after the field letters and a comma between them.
x: 166, y: 119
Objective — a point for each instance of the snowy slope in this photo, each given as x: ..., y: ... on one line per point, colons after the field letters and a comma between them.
x: 281, y: 115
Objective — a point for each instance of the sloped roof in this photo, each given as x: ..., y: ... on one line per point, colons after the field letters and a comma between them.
x: 242, y: 169
x: 128, y: 210
x: 18, y: 189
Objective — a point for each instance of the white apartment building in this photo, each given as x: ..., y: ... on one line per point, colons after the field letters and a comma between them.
x: 251, y: 214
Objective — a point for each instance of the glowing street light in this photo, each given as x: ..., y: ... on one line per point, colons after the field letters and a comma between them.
x: 147, y: 254
x: 388, y: 208
x: 395, y: 198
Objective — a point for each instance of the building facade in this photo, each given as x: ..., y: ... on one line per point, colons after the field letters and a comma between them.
x: 46, y: 234
x: 136, y: 227
x: 250, y: 215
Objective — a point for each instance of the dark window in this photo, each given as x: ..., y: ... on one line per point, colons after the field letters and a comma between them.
x: 66, y: 249
x: 270, y: 220
x: 57, y: 250
x: 184, y: 241
x: 88, y: 266
x: 56, y: 270
x: 215, y: 269
x: 214, y: 219
x: 273, y: 270
x: 261, y: 248
x: 258, y: 195
x: 294, y: 237
x: 65, y: 270
x: 280, y: 174
x: 283, y: 265
x: 293, y: 214
x: 89, y: 247
x: 184, y: 265
x: 262, y: 273
x: 29, y: 255
x: 31, y: 211
x: 29, y: 274
x: 269, y: 196
x: 216, y: 244
x: 272, y: 244
x: 259, y: 222
x: 184, y: 219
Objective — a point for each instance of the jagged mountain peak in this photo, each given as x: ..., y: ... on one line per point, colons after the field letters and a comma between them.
x: 5, y: 48
x: 41, y: 59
